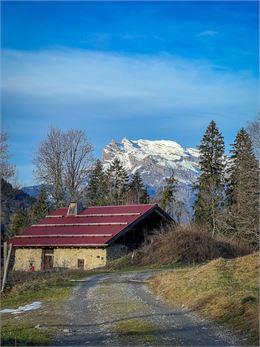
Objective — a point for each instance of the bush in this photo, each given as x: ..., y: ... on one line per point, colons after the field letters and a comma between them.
x: 186, y: 245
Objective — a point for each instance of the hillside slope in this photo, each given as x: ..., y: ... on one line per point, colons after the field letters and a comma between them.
x: 224, y: 290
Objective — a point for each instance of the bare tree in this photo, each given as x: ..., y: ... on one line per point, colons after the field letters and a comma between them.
x: 49, y: 163
x: 253, y: 129
x: 6, y: 169
x: 62, y: 163
x: 77, y: 162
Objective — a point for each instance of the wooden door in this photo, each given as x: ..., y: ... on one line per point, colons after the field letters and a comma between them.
x: 48, y: 262
x: 47, y: 259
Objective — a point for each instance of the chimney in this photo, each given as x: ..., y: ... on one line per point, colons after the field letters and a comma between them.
x: 74, y: 208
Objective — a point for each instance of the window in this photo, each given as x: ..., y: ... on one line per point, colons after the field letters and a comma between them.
x: 80, y: 263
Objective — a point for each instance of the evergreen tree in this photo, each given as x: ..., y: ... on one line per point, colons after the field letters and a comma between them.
x: 21, y: 220
x: 41, y: 208
x: 97, y: 190
x: 118, y: 183
x: 243, y: 190
x: 137, y: 193
x: 210, y: 188
x: 168, y: 198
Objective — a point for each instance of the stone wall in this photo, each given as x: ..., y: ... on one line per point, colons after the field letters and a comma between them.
x: 68, y: 257
x: 63, y: 257
x: 116, y: 251
x: 25, y: 256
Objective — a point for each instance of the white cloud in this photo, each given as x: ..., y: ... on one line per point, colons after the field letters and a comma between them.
x: 113, y: 96
x: 108, y: 83
x: 208, y: 33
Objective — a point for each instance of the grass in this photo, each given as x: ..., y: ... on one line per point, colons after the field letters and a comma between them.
x: 135, y: 331
x: 180, y: 245
x: 226, y: 291
x: 24, y: 335
x: 25, y: 288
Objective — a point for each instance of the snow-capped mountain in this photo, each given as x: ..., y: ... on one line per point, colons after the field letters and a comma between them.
x: 155, y: 161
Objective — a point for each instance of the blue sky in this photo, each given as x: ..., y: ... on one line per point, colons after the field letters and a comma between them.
x: 152, y: 70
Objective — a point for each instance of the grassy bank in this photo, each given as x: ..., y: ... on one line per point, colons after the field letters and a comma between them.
x: 226, y: 291
x: 181, y: 245
x: 24, y: 288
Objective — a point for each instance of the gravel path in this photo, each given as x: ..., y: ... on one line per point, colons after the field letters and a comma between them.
x: 118, y: 309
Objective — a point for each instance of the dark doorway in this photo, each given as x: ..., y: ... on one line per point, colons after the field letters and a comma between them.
x: 81, y: 264
x: 48, y: 259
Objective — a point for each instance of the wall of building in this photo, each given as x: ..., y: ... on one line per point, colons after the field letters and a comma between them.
x: 116, y: 251
x: 63, y: 257
x: 26, y: 256
x: 68, y: 257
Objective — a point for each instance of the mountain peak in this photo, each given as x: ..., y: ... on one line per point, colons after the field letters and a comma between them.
x: 156, y: 160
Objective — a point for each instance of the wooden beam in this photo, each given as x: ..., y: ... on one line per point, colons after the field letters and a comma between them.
x: 6, y: 267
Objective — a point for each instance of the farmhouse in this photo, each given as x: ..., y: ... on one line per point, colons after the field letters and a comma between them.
x: 77, y: 238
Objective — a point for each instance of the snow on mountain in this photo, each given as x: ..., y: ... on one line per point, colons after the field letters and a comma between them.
x: 156, y: 160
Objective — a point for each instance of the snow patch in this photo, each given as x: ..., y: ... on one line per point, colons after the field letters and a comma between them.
x: 21, y: 309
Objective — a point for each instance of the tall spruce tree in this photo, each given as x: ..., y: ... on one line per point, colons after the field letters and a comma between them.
x: 168, y: 198
x: 137, y: 193
x: 40, y: 208
x: 243, y: 190
x: 210, y: 187
x: 97, y: 190
x: 21, y: 220
x: 118, y: 183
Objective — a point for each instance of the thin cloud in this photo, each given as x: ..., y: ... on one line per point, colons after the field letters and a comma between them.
x: 137, y: 83
x: 208, y: 33
x: 113, y: 96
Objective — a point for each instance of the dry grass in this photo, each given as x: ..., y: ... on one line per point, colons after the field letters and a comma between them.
x: 183, y: 245
x: 224, y: 290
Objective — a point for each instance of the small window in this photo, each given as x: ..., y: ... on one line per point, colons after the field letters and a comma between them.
x: 80, y: 263
x: 98, y: 256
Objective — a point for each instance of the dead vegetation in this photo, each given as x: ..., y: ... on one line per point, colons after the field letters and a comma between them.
x: 224, y: 290
x: 183, y: 245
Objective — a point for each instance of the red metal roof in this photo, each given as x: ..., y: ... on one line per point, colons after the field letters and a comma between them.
x: 94, y: 226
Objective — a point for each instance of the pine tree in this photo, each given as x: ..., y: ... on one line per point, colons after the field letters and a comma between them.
x: 21, y: 220
x: 210, y: 188
x: 41, y: 208
x: 243, y: 190
x: 137, y: 193
x: 97, y: 190
x: 168, y: 199
x: 118, y: 182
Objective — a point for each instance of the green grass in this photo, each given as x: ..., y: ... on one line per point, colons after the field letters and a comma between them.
x: 226, y: 291
x: 135, y: 331
x: 26, y: 288
x: 24, y: 335
x: 52, y: 293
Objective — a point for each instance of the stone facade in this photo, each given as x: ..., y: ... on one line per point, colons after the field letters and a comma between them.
x: 68, y: 257
x: 62, y: 257
x: 26, y: 256
x: 116, y: 251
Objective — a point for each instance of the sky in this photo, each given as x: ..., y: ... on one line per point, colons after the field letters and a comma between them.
x: 150, y: 70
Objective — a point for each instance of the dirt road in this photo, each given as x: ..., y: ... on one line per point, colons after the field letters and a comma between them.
x: 119, y: 310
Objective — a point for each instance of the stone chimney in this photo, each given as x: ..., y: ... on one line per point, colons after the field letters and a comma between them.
x: 74, y: 208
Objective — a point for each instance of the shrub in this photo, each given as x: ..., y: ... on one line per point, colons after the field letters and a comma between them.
x: 186, y: 245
